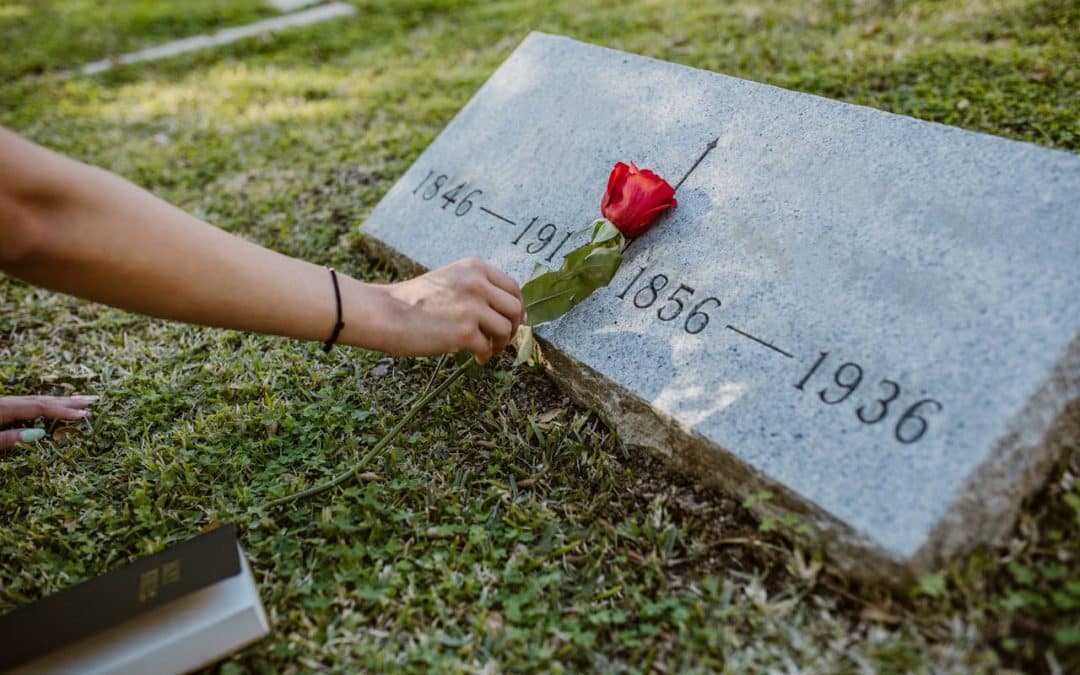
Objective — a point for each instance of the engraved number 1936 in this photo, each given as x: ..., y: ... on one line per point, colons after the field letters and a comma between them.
x: 910, y: 426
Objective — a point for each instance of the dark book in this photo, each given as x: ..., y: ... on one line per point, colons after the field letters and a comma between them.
x: 157, y: 610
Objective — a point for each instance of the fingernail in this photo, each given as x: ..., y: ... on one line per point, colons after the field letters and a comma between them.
x: 88, y: 399
x: 82, y: 413
x: 31, y: 435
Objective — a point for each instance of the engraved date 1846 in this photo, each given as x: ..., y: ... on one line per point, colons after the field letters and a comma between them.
x: 459, y: 194
x: 535, y: 237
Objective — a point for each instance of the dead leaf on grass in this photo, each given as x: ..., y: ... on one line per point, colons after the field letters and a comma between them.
x: 63, y: 433
x: 493, y: 624
x: 550, y: 415
x: 878, y: 615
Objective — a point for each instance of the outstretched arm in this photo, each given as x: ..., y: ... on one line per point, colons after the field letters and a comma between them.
x: 81, y: 230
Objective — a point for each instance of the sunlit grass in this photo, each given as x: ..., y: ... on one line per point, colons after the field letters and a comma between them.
x: 13, y: 10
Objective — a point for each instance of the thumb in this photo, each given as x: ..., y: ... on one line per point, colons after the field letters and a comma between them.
x: 10, y: 437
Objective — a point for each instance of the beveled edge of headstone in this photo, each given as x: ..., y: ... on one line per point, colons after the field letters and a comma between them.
x: 641, y: 427
x: 380, y: 250
x: 983, y: 513
x: 984, y: 510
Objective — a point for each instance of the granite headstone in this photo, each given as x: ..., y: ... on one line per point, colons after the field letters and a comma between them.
x: 872, y: 317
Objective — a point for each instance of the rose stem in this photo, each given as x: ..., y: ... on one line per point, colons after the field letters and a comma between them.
x: 378, y: 448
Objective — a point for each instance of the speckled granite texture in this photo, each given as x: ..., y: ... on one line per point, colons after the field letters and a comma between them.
x: 928, y: 262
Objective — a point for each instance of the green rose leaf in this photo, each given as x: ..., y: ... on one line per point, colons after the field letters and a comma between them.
x: 552, y: 294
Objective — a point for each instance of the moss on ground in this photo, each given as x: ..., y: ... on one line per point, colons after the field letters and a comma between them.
x: 508, y: 528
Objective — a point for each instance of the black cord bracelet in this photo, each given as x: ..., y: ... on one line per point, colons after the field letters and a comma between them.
x: 340, y: 324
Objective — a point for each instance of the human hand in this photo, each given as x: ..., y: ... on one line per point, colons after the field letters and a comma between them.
x: 21, y: 408
x: 466, y: 305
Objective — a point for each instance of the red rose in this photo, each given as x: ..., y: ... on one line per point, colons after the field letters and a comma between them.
x: 634, y: 198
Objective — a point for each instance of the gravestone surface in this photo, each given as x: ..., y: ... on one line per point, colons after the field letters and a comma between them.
x: 872, y: 317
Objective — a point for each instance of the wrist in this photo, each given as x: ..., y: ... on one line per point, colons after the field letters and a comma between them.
x: 373, y: 317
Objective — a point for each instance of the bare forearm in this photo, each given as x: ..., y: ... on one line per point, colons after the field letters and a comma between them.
x: 110, y: 241
x: 81, y: 230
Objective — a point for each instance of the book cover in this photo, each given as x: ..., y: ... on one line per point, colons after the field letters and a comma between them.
x: 75, y: 614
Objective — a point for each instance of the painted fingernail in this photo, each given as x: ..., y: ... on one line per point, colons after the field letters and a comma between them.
x: 31, y: 435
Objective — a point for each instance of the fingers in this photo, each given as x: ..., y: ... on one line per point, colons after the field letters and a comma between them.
x: 480, y: 345
x: 10, y: 437
x: 467, y: 304
x: 503, y: 281
x: 497, y: 328
x: 15, y: 408
x: 506, y: 305
x: 504, y: 310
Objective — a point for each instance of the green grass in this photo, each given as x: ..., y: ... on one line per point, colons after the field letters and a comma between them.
x: 508, y: 528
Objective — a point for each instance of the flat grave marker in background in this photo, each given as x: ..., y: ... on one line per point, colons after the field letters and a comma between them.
x: 325, y: 12
x: 873, y: 317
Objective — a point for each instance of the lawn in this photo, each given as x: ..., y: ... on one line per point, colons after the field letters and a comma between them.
x: 508, y: 529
